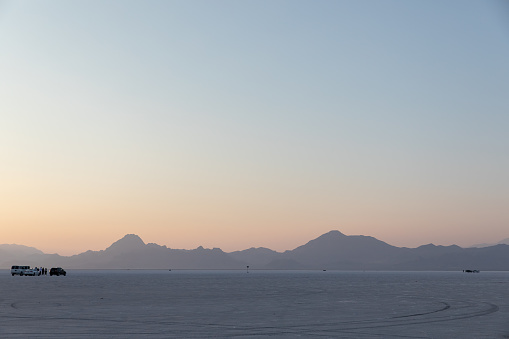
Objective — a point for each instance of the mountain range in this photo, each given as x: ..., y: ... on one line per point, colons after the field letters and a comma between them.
x: 333, y: 250
x: 504, y: 241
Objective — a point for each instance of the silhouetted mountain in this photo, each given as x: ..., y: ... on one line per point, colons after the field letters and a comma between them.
x: 493, y: 258
x: 14, y: 253
x: 332, y: 250
x: 432, y: 250
x: 501, y: 242
x: 255, y: 257
x: 131, y: 253
x: 129, y: 243
x: 335, y: 250
x: 19, y: 250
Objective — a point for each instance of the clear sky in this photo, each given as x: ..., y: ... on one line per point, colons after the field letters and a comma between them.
x: 238, y: 124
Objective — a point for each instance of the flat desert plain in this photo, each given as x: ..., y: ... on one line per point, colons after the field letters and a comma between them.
x: 258, y: 304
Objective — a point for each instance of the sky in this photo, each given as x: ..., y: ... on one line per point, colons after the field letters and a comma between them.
x: 238, y: 124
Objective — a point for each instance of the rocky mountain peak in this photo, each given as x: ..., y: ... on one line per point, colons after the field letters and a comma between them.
x: 129, y: 242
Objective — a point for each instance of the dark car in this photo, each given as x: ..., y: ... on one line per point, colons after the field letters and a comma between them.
x: 57, y: 271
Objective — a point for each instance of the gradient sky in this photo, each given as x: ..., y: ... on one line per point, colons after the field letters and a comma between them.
x: 238, y: 124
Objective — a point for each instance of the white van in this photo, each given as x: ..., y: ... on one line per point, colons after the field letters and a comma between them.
x: 20, y: 270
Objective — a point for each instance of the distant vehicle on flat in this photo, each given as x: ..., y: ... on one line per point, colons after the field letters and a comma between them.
x: 57, y: 271
x: 24, y: 270
x: 19, y: 270
x: 32, y: 272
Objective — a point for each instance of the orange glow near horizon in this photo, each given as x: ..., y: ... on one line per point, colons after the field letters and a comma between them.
x: 212, y: 130
x: 55, y: 236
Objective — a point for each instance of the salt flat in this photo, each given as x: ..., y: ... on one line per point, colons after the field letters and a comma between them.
x: 279, y: 304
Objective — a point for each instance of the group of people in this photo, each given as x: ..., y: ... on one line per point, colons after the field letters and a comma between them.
x: 41, y: 270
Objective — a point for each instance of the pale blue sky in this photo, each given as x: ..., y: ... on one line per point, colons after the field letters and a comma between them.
x: 253, y: 123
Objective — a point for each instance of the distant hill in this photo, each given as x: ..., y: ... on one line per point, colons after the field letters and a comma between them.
x: 504, y: 242
x: 256, y: 257
x: 333, y: 250
x: 493, y: 258
x: 132, y: 252
x: 21, y: 250
x: 129, y: 243
x: 12, y: 253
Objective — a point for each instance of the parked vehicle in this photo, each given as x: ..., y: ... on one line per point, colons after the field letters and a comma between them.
x: 57, y: 271
x: 25, y: 270
x: 33, y: 272
x: 19, y: 270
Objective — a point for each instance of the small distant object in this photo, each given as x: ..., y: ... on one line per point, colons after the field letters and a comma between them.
x: 471, y: 271
x: 57, y: 271
x: 247, y: 269
x: 325, y: 270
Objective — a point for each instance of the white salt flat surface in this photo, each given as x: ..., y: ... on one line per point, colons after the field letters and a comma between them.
x: 258, y: 304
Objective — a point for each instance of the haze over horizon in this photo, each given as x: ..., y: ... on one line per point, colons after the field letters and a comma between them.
x: 253, y: 124
x: 131, y: 238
